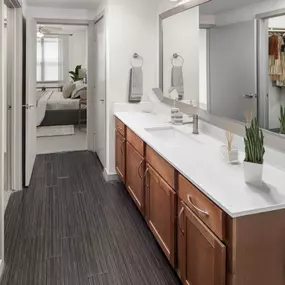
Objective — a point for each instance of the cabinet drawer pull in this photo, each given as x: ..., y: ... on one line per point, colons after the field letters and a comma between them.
x: 119, y: 128
x: 145, y: 175
x: 122, y: 146
x: 179, y: 220
x: 139, y: 170
x: 195, y: 207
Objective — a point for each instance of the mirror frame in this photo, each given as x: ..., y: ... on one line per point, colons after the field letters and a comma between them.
x: 272, y: 140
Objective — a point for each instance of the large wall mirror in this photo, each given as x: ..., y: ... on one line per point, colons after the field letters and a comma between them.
x: 227, y: 59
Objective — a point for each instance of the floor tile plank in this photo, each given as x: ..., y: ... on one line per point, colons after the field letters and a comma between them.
x: 70, y: 227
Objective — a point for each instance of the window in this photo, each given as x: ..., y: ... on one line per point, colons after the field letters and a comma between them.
x: 48, y: 59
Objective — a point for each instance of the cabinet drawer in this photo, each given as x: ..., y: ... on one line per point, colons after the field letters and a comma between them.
x: 205, y: 209
x: 120, y: 127
x: 135, y: 141
x: 161, y: 166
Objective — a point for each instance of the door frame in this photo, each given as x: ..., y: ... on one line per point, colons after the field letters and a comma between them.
x: 262, y: 64
x: 16, y: 81
x: 14, y: 78
x: 21, y: 161
x: 91, y: 127
x: 2, y: 141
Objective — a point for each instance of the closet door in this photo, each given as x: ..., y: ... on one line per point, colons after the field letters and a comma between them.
x: 233, y: 84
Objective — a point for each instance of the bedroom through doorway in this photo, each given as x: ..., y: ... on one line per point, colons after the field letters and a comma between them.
x: 61, y: 95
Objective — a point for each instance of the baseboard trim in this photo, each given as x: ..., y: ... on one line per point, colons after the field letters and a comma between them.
x: 110, y: 176
x: 2, y: 264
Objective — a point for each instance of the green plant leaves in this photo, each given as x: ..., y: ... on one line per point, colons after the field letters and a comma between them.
x: 282, y: 119
x: 254, y: 143
x: 75, y: 74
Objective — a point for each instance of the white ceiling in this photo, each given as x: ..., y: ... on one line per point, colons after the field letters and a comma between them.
x: 68, y: 4
x: 218, y: 6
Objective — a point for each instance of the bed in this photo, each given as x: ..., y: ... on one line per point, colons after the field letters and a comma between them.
x: 54, y: 110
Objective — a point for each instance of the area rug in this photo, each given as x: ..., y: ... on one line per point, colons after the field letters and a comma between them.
x: 55, y: 131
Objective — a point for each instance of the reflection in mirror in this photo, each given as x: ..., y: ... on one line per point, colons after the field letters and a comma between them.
x: 274, y: 52
x: 229, y: 60
x: 240, y: 80
x: 181, y: 56
x: 232, y: 70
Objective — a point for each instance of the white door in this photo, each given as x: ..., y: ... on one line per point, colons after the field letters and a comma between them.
x: 31, y: 78
x: 96, y: 124
x: 100, y: 91
x: 233, y: 84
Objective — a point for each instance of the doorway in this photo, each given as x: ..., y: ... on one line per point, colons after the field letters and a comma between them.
x: 271, y: 69
x: 61, y: 83
x: 94, y: 78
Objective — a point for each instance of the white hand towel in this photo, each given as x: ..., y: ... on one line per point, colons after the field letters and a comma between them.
x: 177, y: 81
x: 135, y: 84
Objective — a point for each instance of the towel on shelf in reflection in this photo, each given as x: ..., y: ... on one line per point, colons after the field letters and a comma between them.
x: 177, y: 81
x: 135, y: 85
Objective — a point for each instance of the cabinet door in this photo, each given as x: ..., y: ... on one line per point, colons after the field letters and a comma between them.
x: 135, y: 171
x: 160, y: 212
x: 121, y: 156
x: 201, y: 255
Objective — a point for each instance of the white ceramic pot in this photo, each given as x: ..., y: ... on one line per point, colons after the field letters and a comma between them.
x: 253, y: 172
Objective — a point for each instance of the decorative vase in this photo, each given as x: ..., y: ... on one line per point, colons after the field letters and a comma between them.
x: 230, y: 156
x: 253, y: 172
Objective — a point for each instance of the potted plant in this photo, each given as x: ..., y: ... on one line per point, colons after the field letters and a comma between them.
x: 254, y: 153
x: 75, y: 74
x: 282, y: 120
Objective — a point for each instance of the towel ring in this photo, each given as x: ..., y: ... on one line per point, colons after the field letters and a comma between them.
x: 138, y: 57
x: 177, y: 56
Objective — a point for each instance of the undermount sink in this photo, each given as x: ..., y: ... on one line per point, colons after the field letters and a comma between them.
x: 171, y: 136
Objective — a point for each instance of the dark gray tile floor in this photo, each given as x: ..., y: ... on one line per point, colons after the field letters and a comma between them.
x: 72, y: 228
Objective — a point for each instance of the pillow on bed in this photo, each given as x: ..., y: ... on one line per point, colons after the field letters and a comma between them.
x: 83, y: 94
x: 78, y: 83
x: 76, y: 92
x: 68, y: 89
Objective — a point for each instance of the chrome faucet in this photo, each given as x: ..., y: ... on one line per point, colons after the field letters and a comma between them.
x: 195, y: 123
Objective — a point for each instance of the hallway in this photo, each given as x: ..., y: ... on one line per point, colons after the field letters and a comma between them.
x: 70, y: 227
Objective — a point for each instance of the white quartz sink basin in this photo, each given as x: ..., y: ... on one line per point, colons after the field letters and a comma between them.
x: 171, y: 136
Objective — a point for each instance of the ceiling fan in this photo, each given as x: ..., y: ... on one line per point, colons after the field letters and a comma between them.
x: 51, y: 31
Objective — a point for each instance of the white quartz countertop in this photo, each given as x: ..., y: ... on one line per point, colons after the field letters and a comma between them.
x: 201, y: 162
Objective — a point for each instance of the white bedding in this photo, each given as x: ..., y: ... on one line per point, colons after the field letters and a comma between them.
x: 58, y: 102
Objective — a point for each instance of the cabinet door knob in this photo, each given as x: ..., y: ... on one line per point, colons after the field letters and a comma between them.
x: 139, y: 170
x: 195, y: 207
x: 145, y: 175
x: 121, y: 148
x: 179, y: 219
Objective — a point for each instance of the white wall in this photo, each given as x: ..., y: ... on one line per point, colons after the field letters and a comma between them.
x: 132, y: 26
x: 78, y: 50
x: 181, y: 35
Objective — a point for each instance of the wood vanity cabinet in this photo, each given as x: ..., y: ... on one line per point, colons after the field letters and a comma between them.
x: 201, y: 231
x: 161, y: 212
x: 201, y: 255
x: 135, y: 168
x: 201, y: 241
x: 120, y: 152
